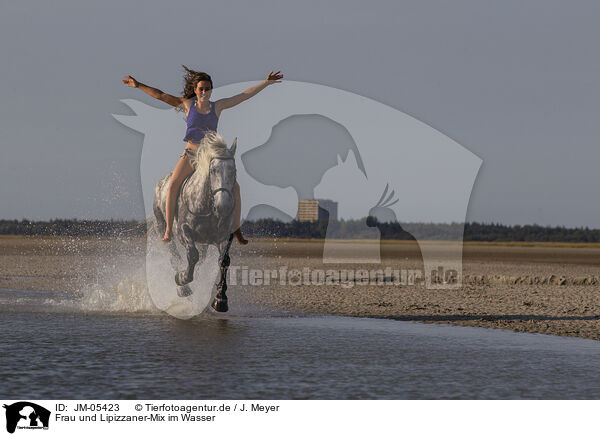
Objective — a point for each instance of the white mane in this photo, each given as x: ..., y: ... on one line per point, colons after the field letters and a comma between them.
x: 211, y: 145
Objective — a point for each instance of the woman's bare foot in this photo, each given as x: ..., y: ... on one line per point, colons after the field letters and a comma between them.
x: 167, y: 236
x: 240, y: 238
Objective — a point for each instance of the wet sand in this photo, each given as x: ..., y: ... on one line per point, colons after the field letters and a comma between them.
x: 544, y: 288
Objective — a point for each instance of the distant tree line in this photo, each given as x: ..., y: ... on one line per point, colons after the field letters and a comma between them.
x: 529, y: 233
x: 356, y: 229
x: 71, y: 227
x: 343, y: 229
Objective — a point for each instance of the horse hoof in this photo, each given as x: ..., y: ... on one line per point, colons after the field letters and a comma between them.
x: 184, y: 291
x: 220, y: 304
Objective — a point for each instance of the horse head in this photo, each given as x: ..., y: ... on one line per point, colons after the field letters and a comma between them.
x: 221, y: 181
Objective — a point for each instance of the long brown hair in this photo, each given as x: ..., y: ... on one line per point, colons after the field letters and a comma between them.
x: 191, y: 79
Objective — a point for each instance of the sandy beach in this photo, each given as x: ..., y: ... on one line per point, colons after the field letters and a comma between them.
x: 537, y: 288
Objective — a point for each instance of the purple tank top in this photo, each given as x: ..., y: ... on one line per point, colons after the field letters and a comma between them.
x: 198, y: 124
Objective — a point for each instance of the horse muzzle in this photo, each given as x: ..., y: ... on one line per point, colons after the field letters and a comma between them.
x: 223, y: 202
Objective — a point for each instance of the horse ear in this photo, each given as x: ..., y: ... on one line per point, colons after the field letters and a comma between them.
x: 233, y: 147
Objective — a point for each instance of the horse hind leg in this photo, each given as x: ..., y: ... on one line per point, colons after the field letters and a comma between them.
x: 220, y: 301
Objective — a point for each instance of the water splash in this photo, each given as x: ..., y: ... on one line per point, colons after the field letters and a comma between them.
x: 121, y: 288
x: 127, y: 276
x: 127, y: 296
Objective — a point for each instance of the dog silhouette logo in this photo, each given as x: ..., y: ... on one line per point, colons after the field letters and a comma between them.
x: 26, y: 415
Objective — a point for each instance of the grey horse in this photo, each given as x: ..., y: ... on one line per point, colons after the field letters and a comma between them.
x: 203, y: 214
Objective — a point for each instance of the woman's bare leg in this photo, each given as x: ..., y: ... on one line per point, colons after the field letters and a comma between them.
x: 237, y: 215
x: 181, y: 171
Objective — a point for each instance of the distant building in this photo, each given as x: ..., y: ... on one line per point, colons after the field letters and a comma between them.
x: 317, y: 210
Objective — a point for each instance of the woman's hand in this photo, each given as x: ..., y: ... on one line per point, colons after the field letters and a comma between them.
x: 226, y: 103
x: 130, y: 81
x: 274, y: 77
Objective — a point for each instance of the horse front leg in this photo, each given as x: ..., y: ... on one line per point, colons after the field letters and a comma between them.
x: 186, y: 291
x: 186, y: 276
x: 220, y: 301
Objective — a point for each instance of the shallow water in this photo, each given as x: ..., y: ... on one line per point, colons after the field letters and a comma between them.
x: 55, y: 348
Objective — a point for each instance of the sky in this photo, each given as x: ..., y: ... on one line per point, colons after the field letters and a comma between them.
x: 515, y: 83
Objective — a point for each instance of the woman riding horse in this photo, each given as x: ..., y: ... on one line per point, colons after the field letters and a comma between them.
x: 202, y: 115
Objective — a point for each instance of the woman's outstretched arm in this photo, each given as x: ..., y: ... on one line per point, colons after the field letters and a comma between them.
x: 226, y: 103
x: 153, y: 92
